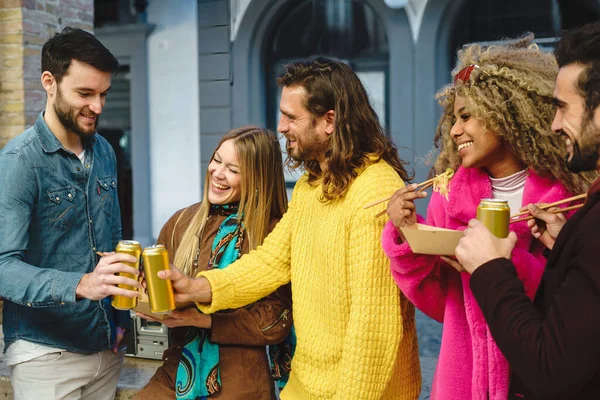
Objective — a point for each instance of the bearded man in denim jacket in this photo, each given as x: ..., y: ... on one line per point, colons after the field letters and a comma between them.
x: 58, y: 207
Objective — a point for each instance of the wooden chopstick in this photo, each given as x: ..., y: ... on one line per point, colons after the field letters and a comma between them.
x: 560, y: 210
x: 556, y: 203
x: 379, y: 214
x: 421, y: 186
x: 430, y: 184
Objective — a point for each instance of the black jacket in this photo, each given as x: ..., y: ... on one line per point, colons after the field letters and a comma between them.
x: 553, y: 344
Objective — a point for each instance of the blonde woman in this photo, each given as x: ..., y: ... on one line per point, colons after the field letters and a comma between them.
x: 495, y: 133
x: 223, y: 355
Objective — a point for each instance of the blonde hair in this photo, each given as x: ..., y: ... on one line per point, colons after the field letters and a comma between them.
x: 263, y: 194
x: 510, y: 92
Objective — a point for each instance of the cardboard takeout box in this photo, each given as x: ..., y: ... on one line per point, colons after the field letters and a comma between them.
x: 424, y: 239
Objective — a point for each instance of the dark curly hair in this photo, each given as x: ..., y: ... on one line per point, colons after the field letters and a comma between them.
x: 510, y: 93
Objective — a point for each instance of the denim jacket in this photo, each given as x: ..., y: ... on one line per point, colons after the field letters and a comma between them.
x: 55, y: 213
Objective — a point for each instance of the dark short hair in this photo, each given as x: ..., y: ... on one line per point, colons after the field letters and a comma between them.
x: 582, y: 46
x: 75, y: 44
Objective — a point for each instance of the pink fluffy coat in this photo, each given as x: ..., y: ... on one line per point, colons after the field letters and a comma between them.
x: 470, y: 365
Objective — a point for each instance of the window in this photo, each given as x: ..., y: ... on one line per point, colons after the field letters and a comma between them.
x: 348, y: 30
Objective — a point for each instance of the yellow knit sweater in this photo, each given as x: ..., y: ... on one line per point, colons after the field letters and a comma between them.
x: 356, y: 332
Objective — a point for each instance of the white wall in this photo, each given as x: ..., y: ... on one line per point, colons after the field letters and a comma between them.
x: 174, y: 108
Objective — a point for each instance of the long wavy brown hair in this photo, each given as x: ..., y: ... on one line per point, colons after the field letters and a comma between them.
x: 263, y: 195
x: 358, y: 137
x: 510, y: 92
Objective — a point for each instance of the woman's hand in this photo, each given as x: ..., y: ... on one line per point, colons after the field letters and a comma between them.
x: 401, y: 207
x: 187, y: 317
x: 187, y: 289
x: 454, y: 264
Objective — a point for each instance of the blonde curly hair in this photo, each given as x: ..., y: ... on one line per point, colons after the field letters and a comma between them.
x: 510, y: 92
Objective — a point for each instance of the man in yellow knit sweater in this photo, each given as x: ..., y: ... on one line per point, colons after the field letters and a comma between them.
x: 356, y: 332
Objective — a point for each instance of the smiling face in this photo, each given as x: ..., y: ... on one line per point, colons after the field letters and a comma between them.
x: 79, y: 98
x: 582, y: 138
x: 306, y: 135
x: 224, y: 172
x: 478, y: 147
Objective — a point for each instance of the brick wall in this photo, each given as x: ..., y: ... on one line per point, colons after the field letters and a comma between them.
x: 24, y: 27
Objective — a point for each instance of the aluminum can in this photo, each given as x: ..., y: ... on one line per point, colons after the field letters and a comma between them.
x: 132, y: 248
x: 160, y: 291
x: 495, y: 215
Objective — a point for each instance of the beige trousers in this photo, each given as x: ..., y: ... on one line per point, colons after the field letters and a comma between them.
x: 66, y: 376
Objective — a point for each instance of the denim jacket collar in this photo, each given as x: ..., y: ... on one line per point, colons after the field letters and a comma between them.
x: 49, y: 141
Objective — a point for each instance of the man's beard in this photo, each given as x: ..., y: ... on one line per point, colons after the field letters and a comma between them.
x: 311, y: 151
x: 585, y: 156
x: 68, y: 118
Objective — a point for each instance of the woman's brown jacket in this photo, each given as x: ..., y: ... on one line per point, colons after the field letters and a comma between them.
x: 242, y: 334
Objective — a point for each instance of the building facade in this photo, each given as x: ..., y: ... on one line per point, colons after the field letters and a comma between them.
x: 193, y: 69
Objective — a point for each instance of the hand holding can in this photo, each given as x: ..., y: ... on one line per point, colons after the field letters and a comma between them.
x: 134, y: 249
x: 160, y: 291
x: 106, y: 278
x: 495, y: 215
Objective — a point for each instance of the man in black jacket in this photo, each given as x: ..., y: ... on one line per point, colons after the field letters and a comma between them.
x: 553, y: 343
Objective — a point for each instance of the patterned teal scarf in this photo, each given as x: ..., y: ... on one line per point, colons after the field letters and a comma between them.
x: 280, y: 357
x: 199, y: 373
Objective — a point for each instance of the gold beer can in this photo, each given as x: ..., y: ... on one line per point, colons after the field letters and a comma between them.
x: 160, y: 291
x: 495, y: 215
x: 132, y: 248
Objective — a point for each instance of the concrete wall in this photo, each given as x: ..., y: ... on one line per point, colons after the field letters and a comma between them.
x: 238, y: 8
x: 214, y: 56
x: 129, y: 44
x: 173, y: 108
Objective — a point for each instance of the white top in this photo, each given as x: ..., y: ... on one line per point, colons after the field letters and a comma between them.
x: 511, y: 189
x: 22, y: 351
x: 81, y: 156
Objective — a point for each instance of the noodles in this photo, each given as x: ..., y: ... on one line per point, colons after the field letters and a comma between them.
x: 441, y: 183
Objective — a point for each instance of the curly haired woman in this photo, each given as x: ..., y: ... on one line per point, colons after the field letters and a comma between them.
x: 495, y: 133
